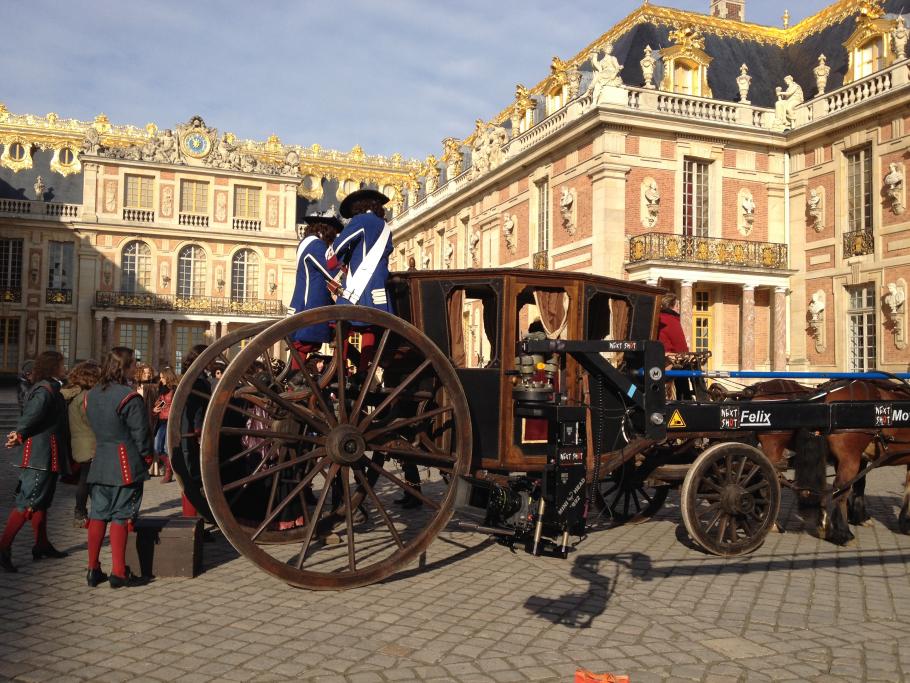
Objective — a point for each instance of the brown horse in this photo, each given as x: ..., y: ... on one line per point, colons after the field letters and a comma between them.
x: 849, y: 449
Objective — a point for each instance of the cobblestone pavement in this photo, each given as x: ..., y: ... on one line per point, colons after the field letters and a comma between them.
x: 635, y: 600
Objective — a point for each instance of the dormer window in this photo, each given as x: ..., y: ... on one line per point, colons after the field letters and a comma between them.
x: 556, y: 98
x: 686, y: 64
x: 869, y: 48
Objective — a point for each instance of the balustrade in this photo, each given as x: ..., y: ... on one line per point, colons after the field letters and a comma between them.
x: 148, y: 301
x: 248, y: 224
x: 193, y: 220
x: 58, y: 295
x: 139, y: 215
x: 658, y: 246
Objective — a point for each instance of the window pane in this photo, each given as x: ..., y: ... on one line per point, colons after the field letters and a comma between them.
x: 194, y: 196
x: 245, y: 275
x: 11, y: 264
x: 60, y: 265
x: 9, y: 344
x: 246, y: 202
x: 191, y: 271
x: 136, y: 267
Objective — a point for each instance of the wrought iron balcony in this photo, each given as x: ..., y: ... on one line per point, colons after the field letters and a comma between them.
x: 146, y: 301
x: 858, y: 243
x: 10, y: 295
x: 714, y: 251
x: 57, y: 295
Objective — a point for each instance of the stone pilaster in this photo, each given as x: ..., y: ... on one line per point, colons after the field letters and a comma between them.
x: 608, y: 219
x: 779, y: 330
x: 168, y: 342
x: 155, y: 359
x: 97, y: 339
x: 685, y: 309
x: 747, y: 334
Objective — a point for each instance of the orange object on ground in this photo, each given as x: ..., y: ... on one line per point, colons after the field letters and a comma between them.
x: 585, y: 676
x: 188, y: 509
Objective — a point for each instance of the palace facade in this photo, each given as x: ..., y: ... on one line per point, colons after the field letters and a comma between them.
x: 756, y: 171
x: 759, y: 172
x: 154, y: 239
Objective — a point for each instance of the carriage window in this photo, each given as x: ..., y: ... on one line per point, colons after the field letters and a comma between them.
x: 543, y: 309
x: 473, y: 335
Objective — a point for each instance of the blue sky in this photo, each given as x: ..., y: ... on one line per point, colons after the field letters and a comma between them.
x: 393, y: 76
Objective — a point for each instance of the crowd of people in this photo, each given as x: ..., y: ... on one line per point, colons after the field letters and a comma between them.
x: 101, y: 426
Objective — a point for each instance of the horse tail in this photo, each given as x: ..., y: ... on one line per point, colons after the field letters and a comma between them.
x: 810, y: 464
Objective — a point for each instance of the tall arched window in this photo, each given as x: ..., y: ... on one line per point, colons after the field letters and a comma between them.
x: 136, y: 267
x: 245, y: 275
x: 191, y: 271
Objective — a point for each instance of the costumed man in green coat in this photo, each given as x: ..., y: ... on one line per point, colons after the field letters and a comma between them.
x: 123, y: 452
x: 42, y: 436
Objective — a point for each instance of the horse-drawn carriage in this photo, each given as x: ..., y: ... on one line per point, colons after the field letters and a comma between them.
x: 496, y: 395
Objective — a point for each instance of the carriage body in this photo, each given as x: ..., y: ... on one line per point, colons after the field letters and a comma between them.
x: 463, y: 311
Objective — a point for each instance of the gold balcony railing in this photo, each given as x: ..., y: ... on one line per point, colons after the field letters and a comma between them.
x: 217, y: 305
x: 659, y: 246
x: 858, y: 243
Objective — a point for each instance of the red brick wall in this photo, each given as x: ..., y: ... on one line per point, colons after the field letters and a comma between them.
x: 586, y: 152
x: 884, y: 132
x: 668, y: 149
x: 559, y: 166
x: 665, y: 182
x: 632, y: 145
x: 729, y: 158
x: 761, y: 161
x: 827, y: 182
x: 732, y: 209
x: 522, y: 227
x: 815, y: 252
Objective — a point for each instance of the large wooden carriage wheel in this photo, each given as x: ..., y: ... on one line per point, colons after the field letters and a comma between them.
x: 358, y: 444
x: 730, y: 499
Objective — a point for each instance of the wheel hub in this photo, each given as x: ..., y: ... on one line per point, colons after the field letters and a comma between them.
x: 345, y: 444
x: 736, y: 501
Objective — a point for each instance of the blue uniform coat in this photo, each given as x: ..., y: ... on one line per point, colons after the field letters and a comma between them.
x: 368, y: 269
x: 311, y: 290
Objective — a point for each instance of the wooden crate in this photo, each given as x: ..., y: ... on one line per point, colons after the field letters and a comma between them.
x: 166, y: 547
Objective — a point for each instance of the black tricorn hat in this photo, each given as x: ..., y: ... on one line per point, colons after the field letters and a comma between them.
x: 359, y: 195
x: 316, y: 219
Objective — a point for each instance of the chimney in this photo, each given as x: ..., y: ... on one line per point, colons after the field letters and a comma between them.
x: 729, y: 9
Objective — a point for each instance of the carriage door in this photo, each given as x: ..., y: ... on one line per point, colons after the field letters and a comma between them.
x: 473, y: 326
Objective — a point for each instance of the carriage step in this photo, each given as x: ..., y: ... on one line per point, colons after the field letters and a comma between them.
x: 167, y: 547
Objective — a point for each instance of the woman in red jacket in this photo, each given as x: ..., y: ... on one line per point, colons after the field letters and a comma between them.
x: 669, y: 328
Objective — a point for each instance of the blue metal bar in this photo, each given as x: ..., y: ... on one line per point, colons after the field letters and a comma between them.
x: 758, y: 374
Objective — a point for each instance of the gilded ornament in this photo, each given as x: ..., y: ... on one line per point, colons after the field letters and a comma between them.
x: 151, y: 129
x: 102, y: 123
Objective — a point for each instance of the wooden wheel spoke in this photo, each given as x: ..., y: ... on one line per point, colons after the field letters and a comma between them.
x: 741, y: 468
x: 304, y: 414
x: 405, y: 422
x: 341, y: 369
x: 755, y: 470
x: 287, y: 499
x: 201, y: 394
x: 258, y: 469
x: 636, y: 501
x: 256, y: 476
x: 317, y: 512
x: 722, y: 527
x: 312, y: 384
x: 404, y: 485
x: 394, y: 394
x: 348, y: 519
x: 416, y: 453
x: 362, y: 480
x: 371, y: 373
x: 728, y: 467
x: 755, y: 487
x: 242, y: 454
x: 269, y: 434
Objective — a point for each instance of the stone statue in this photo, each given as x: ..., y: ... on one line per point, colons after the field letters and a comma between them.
x: 486, y: 150
x: 894, y: 186
x: 899, y: 35
x: 413, y: 189
x: 92, y: 142
x: 652, y: 202
x: 647, y: 67
x: 427, y: 261
x: 523, y: 104
x: 747, y: 205
x: 226, y: 154
x: 452, y: 157
x: 474, y: 245
x: 787, y: 101
x: 743, y: 81
x: 817, y: 306
x: 449, y: 253
x: 291, y: 166
x: 606, y: 72
x: 39, y: 189
x: 821, y: 74
x: 814, y: 209
x: 431, y: 174
x: 895, y: 297
x: 566, y: 201
x: 508, y: 231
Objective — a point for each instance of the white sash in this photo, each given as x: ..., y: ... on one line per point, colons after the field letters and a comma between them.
x: 356, y: 283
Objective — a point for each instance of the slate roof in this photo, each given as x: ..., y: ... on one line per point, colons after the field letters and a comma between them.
x: 65, y: 190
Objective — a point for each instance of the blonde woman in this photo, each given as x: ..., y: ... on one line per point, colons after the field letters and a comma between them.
x: 81, y: 378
